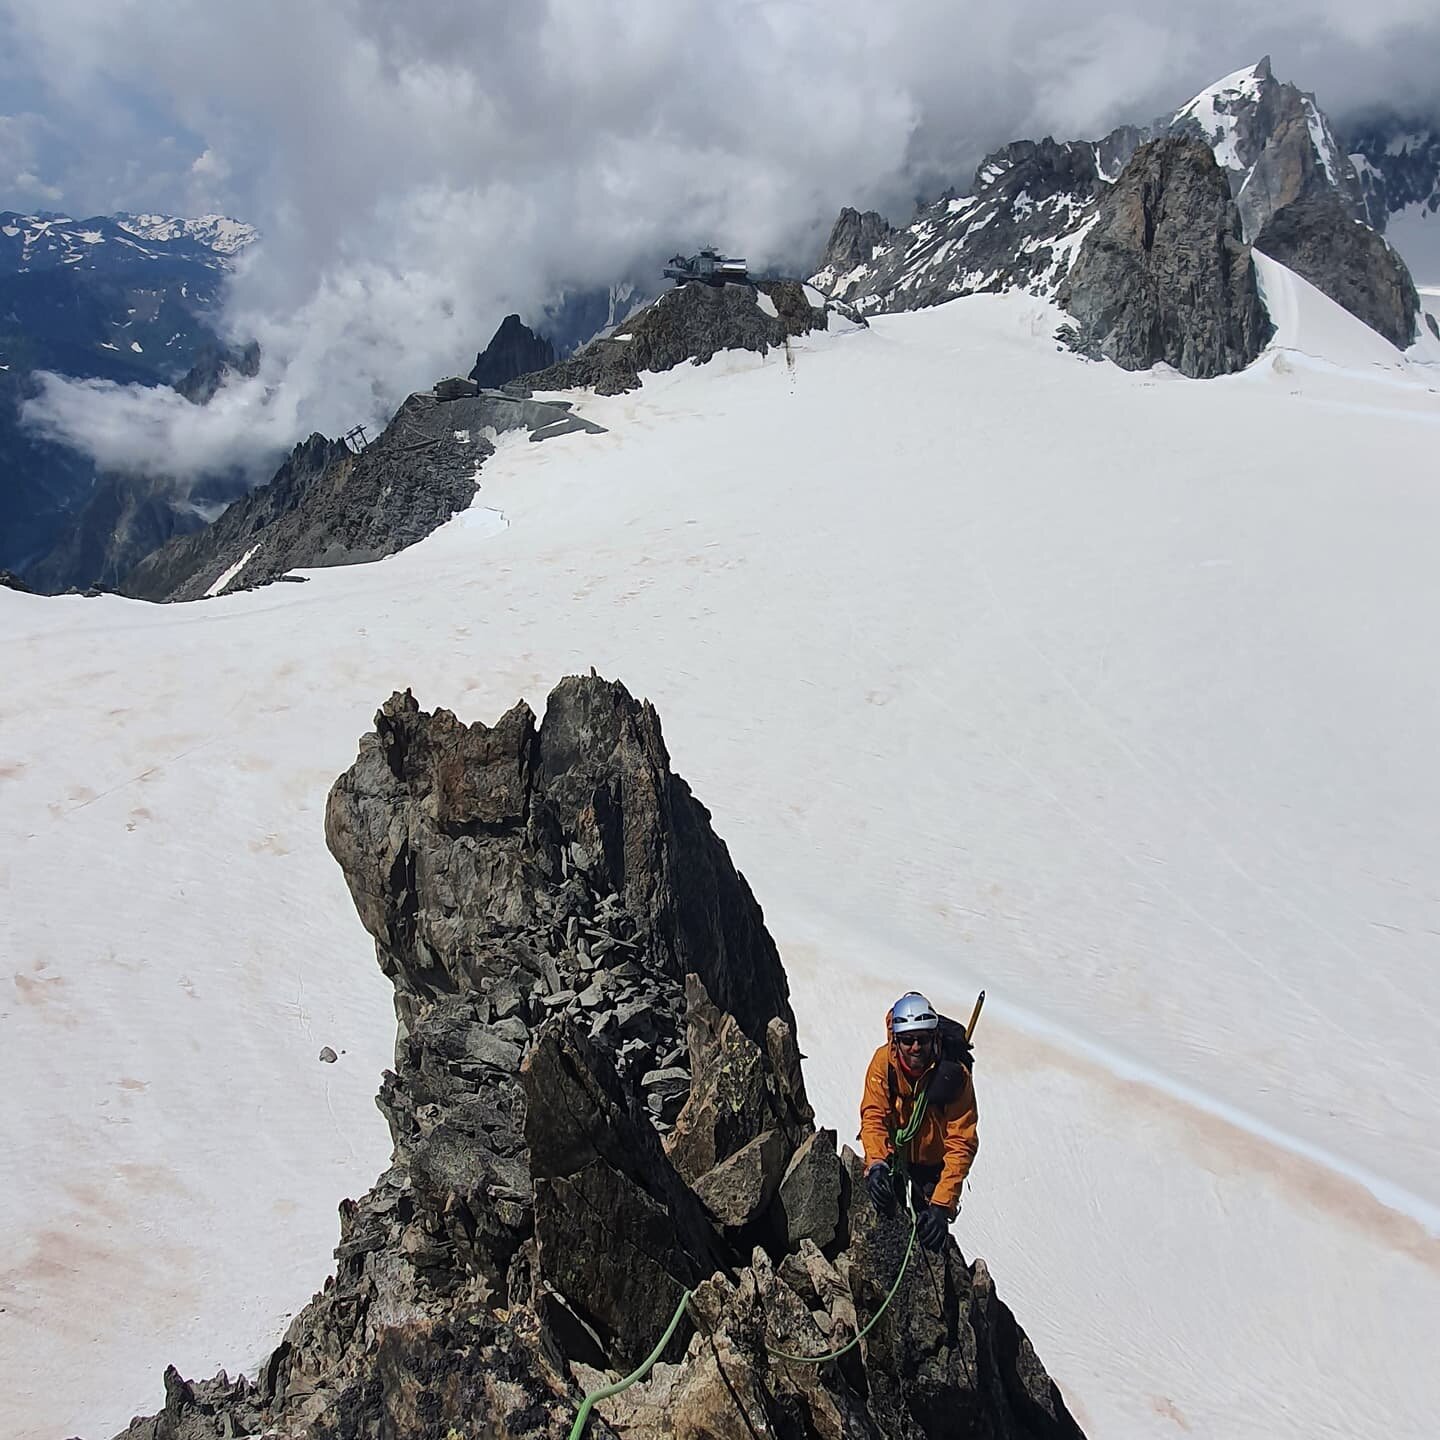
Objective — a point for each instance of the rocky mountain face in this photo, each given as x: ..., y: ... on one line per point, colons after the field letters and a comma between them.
x: 853, y: 239
x: 1016, y: 228
x: 329, y: 506
x: 597, y: 1105
x: 1031, y: 205
x: 126, y: 518
x: 514, y: 350
x: 123, y: 520
x: 213, y: 366
x: 1275, y: 144
x: 1163, y: 273
x: 576, y: 317
x: 1397, y: 161
x: 188, y: 566
x: 132, y: 299
x: 1318, y: 239
x: 691, y: 322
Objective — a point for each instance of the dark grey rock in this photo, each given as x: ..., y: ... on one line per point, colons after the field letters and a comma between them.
x: 810, y: 1191
x: 531, y: 1225
x: 1031, y: 202
x: 692, y: 322
x: 328, y: 1055
x: 1319, y: 240
x: 1164, y: 275
x: 1026, y: 199
x: 514, y: 350
x: 729, y: 1102
x: 853, y: 239
x: 327, y: 506
x: 740, y: 1188
x: 214, y: 365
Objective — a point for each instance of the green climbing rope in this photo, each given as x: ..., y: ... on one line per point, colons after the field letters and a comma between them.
x: 904, y: 1137
x: 869, y: 1324
x: 912, y: 1126
x: 588, y: 1403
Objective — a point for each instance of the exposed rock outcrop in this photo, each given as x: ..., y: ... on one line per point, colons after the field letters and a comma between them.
x: 124, y: 519
x: 1031, y: 204
x: 1274, y: 142
x: 11, y: 581
x: 853, y: 239
x: 187, y: 567
x: 329, y: 506
x: 214, y: 365
x: 1397, y: 158
x: 691, y: 322
x: 1163, y: 274
x: 1319, y: 240
x: 1015, y: 229
x: 563, y: 929
x: 514, y: 350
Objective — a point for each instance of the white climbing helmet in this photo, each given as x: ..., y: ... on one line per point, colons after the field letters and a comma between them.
x: 913, y: 1012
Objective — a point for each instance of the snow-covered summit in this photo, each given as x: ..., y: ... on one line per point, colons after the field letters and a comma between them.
x: 1273, y: 140
x: 1219, y: 111
x: 216, y: 232
x: 99, y: 242
x: 1031, y: 203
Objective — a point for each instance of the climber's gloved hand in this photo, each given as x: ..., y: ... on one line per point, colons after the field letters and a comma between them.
x: 881, y: 1184
x: 932, y: 1225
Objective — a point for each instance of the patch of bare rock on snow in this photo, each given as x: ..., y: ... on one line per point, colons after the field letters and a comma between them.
x: 598, y: 1104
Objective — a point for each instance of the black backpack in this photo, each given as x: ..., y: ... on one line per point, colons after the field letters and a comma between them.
x: 952, y: 1067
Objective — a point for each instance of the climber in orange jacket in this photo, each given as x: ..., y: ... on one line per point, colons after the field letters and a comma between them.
x: 928, y: 1055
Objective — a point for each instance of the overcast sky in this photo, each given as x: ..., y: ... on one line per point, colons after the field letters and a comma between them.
x: 419, y: 169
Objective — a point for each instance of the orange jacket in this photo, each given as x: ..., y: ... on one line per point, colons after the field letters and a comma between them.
x: 947, y: 1136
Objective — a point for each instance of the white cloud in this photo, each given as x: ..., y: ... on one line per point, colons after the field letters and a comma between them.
x: 417, y: 172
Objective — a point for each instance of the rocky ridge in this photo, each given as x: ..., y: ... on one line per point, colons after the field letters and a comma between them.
x: 1163, y: 274
x: 1397, y: 162
x: 691, y: 322
x: 1350, y: 262
x: 329, y: 506
x: 1031, y: 205
x: 514, y: 350
x: 1026, y: 210
x: 214, y: 366
x: 94, y: 299
x: 597, y: 1104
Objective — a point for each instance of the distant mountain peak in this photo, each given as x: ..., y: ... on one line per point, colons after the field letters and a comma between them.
x: 220, y: 233
x: 1032, y: 203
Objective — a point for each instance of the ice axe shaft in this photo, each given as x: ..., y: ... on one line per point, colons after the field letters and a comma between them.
x: 975, y: 1016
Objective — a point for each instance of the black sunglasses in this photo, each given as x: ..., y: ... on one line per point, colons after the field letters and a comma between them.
x: 908, y: 1040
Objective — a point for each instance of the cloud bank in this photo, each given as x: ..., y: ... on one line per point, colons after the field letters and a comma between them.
x: 420, y: 171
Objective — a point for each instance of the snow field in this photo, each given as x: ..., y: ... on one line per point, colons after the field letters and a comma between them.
x: 1110, y: 693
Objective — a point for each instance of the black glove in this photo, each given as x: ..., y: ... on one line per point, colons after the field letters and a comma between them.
x: 881, y: 1185
x: 932, y: 1225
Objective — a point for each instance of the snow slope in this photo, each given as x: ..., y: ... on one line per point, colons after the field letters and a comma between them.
x: 1112, y: 693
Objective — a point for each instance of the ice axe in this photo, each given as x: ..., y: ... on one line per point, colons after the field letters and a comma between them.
x: 975, y: 1016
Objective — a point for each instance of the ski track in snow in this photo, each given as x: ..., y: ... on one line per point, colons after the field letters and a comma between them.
x: 1072, y: 687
